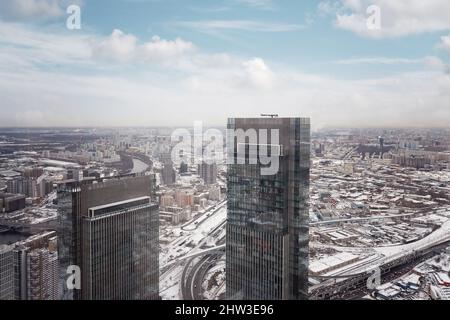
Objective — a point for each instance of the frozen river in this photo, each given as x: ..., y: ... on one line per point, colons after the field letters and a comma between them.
x: 138, y: 166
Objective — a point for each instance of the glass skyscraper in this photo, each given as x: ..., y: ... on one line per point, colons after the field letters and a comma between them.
x: 119, y: 251
x: 110, y: 230
x: 267, y: 247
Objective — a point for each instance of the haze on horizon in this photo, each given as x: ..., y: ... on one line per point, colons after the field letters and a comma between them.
x: 151, y: 63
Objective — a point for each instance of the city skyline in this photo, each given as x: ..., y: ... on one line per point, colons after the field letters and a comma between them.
x: 214, y: 150
x: 377, y: 200
x: 140, y: 63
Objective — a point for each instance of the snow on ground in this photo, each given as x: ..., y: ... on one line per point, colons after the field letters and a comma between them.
x: 440, y: 235
x: 169, y: 284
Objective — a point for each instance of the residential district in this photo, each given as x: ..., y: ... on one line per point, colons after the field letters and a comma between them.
x: 379, y: 210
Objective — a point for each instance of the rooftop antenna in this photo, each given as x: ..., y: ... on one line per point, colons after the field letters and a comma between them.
x: 269, y: 115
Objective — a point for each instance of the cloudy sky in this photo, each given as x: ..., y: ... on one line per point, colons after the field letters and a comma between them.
x: 171, y: 62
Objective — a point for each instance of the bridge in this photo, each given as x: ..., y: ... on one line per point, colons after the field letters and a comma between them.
x: 197, y: 253
x: 393, y: 216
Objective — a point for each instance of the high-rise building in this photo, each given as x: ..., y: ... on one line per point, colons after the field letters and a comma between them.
x: 11, y: 202
x: 30, y: 187
x: 6, y: 272
x: 208, y: 172
x: 168, y: 173
x: 33, y: 172
x: 119, y: 251
x: 29, y: 267
x: 36, y: 267
x: 267, y: 227
x: 184, y: 168
x: 110, y: 230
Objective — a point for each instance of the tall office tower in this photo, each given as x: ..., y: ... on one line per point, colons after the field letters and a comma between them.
x: 208, y: 172
x: 183, y: 167
x: 6, y: 272
x: 168, y: 173
x: 36, y: 267
x: 267, y: 228
x: 110, y: 229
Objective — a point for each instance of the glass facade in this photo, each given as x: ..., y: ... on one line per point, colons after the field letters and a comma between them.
x: 267, y: 228
x: 75, y: 199
x: 120, y: 253
x: 6, y: 273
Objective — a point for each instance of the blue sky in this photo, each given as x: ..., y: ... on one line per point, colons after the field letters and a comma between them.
x: 169, y: 62
x: 311, y: 42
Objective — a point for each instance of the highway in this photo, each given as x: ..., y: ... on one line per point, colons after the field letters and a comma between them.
x: 203, y: 237
x: 361, y: 219
x: 194, y: 276
x: 195, y: 224
x: 354, y: 277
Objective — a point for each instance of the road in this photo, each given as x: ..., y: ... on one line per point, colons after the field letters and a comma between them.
x: 387, y: 259
x: 193, y: 277
x: 201, y: 238
x: 195, y: 224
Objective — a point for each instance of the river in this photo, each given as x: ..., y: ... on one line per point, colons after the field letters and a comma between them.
x: 138, y: 166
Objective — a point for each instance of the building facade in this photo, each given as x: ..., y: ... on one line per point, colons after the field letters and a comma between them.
x: 36, y: 267
x: 267, y: 247
x: 6, y: 273
x: 118, y: 260
x: 168, y: 173
x: 81, y: 227
x: 208, y: 172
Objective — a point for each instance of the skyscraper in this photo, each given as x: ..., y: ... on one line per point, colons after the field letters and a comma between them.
x: 29, y: 267
x: 168, y: 173
x: 267, y: 227
x: 6, y: 272
x: 36, y: 267
x: 208, y: 172
x: 110, y: 229
x: 183, y: 167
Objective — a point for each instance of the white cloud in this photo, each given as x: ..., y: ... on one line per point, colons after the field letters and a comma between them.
x: 126, y: 48
x: 59, y: 83
x: 379, y: 60
x: 118, y: 46
x: 445, y: 43
x: 260, y: 4
x: 328, y: 7
x: 398, y: 18
x: 435, y: 63
x: 208, y: 26
x: 160, y: 49
x: 259, y: 73
x: 24, y: 47
x: 431, y: 62
x: 33, y: 9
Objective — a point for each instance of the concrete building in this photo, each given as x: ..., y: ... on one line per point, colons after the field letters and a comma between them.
x: 208, y: 172
x: 11, y: 202
x: 6, y: 273
x: 184, y: 168
x: 168, y: 173
x: 184, y: 198
x: 36, y: 267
